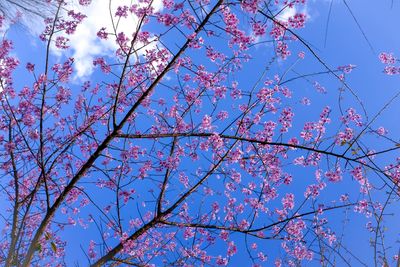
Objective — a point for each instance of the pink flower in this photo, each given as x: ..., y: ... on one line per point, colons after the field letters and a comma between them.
x: 62, y: 42
x: 288, y: 201
x: 258, y: 29
x: 103, y: 65
x: 297, y: 21
x: 231, y: 249
x: 63, y: 95
x: 221, y: 261
x: 206, y: 123
x: 301, y: 55
x: 387, y: 58
x: 122, y: 11
x: 262, y: 256
x: 184, y: 179
x: 85, y: 2
x: 282, y: 50
x: 286, y: 119
x: 381, y: 131
x: 344, y: 137
x: 334, y: 176
x: 30, y: 67
x: 91, y: 251
x: 222, y: 115
x: 216, y: 141
x: 102, y: 34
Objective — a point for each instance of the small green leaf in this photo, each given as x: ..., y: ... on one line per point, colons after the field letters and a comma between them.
x: 53, y: 246
x: 47, y: 236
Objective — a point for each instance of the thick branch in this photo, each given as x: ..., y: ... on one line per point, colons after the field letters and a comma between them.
x: 85, y: 167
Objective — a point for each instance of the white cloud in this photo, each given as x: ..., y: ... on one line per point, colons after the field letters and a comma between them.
x: 287, y: 13
x: 84, y: 43
x: 291, y: 11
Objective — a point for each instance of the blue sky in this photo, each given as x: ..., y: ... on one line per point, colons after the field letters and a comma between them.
x: 345, y: 45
